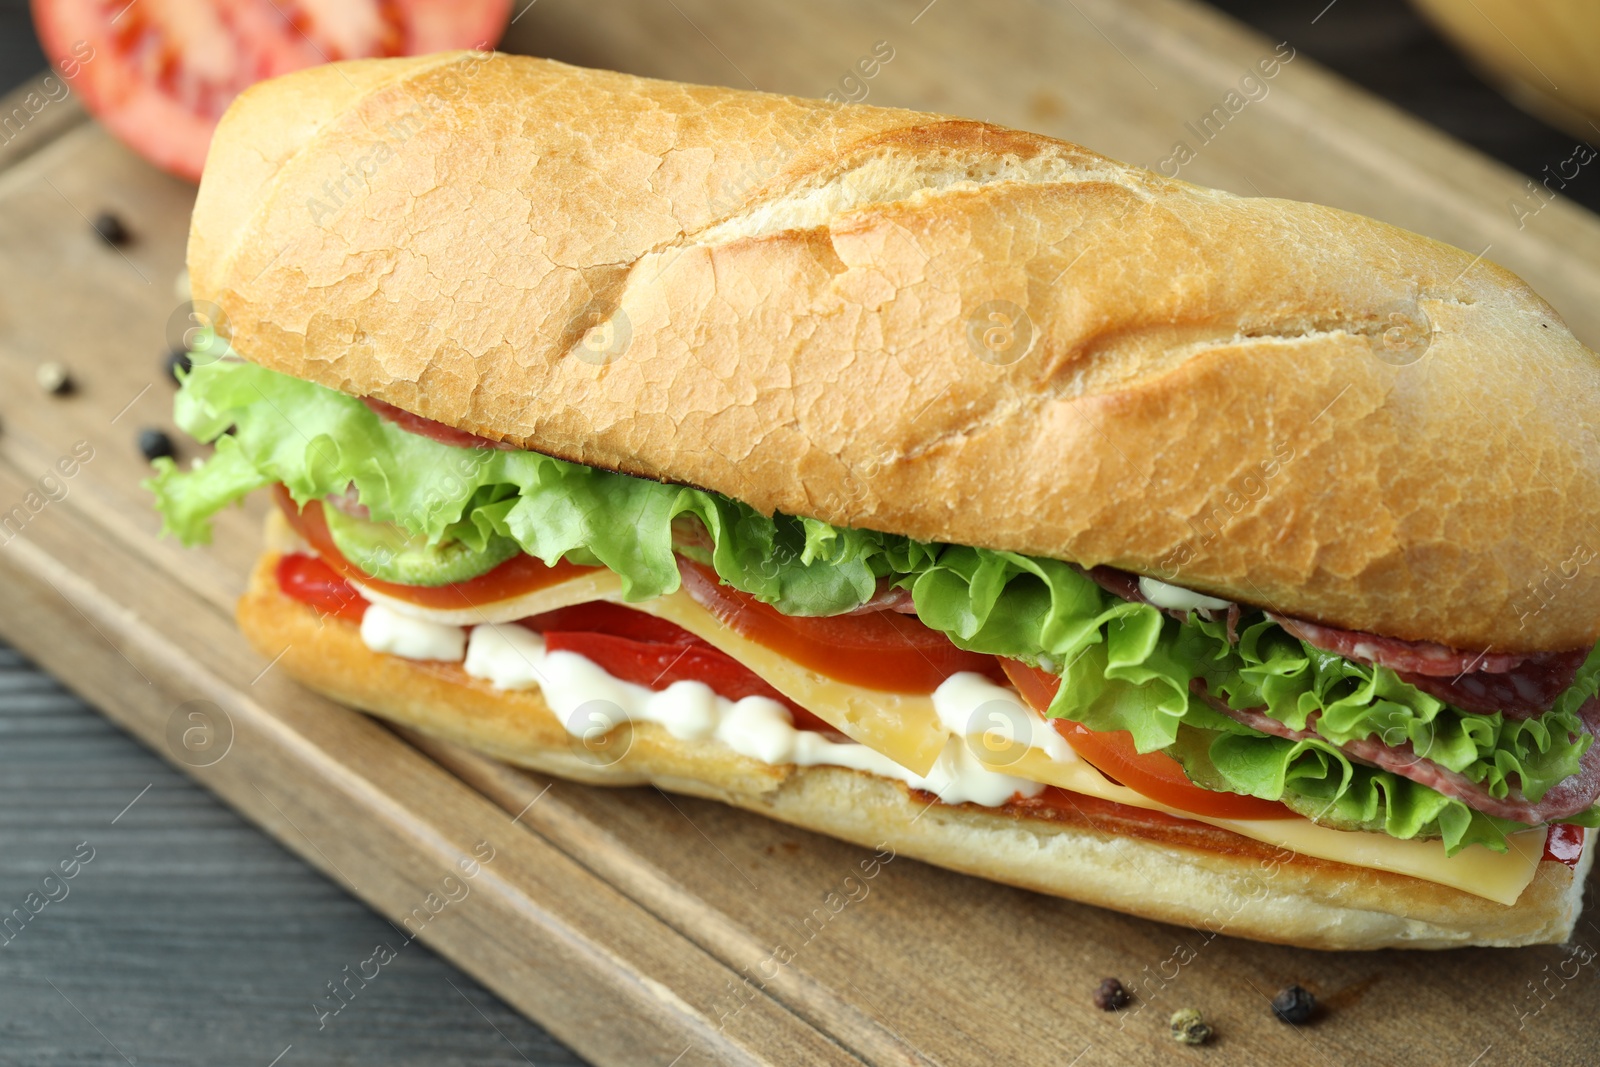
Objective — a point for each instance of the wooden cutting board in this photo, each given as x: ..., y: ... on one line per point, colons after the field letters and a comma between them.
x: 628, y: 922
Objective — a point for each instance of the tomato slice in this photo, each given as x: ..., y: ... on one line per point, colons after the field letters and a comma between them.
x: 1152, y: 774
x: 434, y: 431
x: 160, y: 74
x: 311, y: 581
x: 518, y: 575
x: 881, y: 650
x: 604, y: 617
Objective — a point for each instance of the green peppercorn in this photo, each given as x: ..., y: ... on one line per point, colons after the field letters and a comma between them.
x: 1190, y: 1027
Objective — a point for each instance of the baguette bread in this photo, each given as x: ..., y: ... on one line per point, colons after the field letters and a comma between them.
x: 1188, y: 874
x: 922, y: 325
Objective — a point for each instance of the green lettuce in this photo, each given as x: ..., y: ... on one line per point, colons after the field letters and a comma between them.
x: 1127, y: 666
x: 1124, y: 666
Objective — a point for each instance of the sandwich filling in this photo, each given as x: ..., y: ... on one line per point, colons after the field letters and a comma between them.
x: 1406, y: 740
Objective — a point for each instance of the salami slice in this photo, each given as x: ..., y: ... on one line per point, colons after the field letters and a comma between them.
x: 1414, y: 657
x: 1571, y: 796
x: 1522, y: 693
x: 438, y: 431
x: 1519, y: 684
x: 887, y: 598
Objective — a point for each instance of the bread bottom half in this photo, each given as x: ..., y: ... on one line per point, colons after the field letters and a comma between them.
x: 1102, y: 853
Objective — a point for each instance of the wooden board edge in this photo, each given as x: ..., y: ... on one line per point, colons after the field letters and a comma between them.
x: 569, y: 829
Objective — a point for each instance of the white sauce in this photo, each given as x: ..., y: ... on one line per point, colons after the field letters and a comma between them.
x: 992, y: 716
x: 589, y: 702
x: 1176, y: 598
x: 383, y: 630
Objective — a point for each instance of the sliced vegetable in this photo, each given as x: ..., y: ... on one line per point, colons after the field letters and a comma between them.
x: 311, y: 581
x: 882, y: 650
x: 517, y: 575
x: 160, y: 75
x: 1565, y: 844
x: 1151, y: 774
x: 386, y: 552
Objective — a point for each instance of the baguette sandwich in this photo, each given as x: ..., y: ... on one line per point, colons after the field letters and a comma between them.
x: 1227, y: 561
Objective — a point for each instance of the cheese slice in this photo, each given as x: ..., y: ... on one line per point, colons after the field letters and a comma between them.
x: 597, y: 583
x: 1496, y: 876
x: 903, y: 726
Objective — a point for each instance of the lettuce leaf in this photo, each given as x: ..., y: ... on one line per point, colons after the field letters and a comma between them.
x: 317, y: 441
x: 1128, y: 667
x: 1124, y: 666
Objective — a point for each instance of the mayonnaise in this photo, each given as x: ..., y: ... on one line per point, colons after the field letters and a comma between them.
x: 1178, y: 598
x: 383, y: 630
x: 590, y: 702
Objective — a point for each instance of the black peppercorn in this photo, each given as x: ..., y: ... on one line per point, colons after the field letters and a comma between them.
x: 110, y: 228
x: 1110, y: 995
x: 1294, y: 1005
x: 155, y: 444
x: 178, y: 359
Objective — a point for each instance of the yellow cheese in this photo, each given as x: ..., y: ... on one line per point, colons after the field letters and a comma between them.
x: 589, y: 585
x: 1500, y: 877
x: 903, y: 726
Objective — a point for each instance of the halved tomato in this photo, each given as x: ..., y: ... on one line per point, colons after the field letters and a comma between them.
x: 160, y: 73
x: 1152, y: 774
x: 520, y: 574
x: 882, y: 650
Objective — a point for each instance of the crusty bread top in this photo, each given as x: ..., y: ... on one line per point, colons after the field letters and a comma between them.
x: 814, y: 309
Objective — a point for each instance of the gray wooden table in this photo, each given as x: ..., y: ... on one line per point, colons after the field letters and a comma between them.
x: 188, y: 937
x: 191, y: 938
